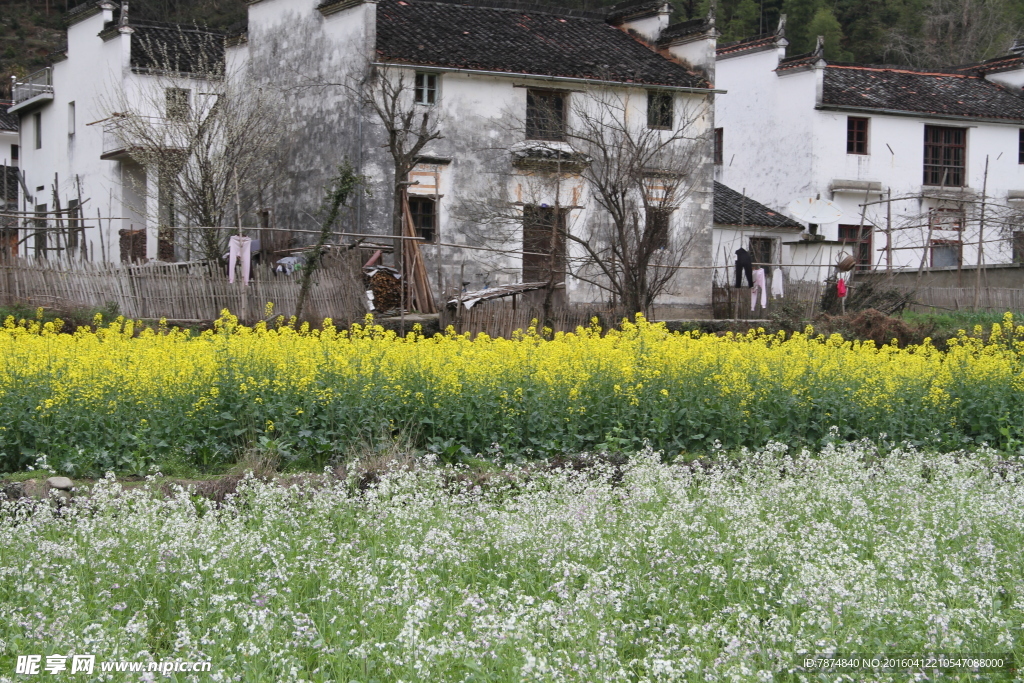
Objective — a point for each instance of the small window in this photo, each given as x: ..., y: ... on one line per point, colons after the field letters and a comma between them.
x: 71, y: 118
x: 946, y: 219
x: 762, y: 251
x: 718, y: 145
x: 1020, y: 146
x: 945, y: 156
x: 14, y: 152
x: 426, y: 88
x: 659, y: 109
x: 545, y: 115
x: 1018, y: 246
x: 178, y: 103
x: 856, y: 135
x: 947, y: 253
x: 424, y: 217
x: 859, y: 240
x: 658, y: 221
x: 37, y: 125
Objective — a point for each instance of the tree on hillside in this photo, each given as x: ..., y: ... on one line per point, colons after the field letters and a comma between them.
x: 951, y: 32
x: 826, y: 25
x: 799, y: 15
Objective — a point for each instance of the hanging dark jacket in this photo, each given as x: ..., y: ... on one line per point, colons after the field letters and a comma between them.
x: 744, y: 264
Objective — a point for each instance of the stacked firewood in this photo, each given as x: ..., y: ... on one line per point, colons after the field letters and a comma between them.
x: 386, y: 287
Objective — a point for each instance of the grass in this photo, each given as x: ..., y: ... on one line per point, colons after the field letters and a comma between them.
x: 633, y: 571
x: 944, y: 325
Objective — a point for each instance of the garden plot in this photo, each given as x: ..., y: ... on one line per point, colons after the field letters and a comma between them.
x: 735, y: 570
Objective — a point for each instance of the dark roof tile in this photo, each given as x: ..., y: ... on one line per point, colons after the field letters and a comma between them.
x: 12, y: 182
x: 757, y: 42
x: 542, y: 42
x: 174, y: 48
x: 684, y: 29
x: 925, y: 92
x: 733, y: 208
x: 8, y: 122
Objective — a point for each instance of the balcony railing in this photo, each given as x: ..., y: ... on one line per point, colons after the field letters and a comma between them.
x: 37, y: 83
x: 122, y: 134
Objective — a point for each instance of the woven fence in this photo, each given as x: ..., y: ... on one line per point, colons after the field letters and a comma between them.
x: 187, y: 291
x: 733, y: 303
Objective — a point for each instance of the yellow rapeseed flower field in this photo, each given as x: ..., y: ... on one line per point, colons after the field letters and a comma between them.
x: 113, y: 397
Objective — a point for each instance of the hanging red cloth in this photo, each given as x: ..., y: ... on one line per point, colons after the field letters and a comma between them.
x: 841, y: 288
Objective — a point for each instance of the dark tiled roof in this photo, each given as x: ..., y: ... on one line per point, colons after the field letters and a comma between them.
x: 545, y: 42
x: 757, y: 42
x: 925, y: 92
x: 180, y: 49
x: 994, y: 65
x: 632, y: 7
x: 8, y: 121
x: 684, y: 29
x: 797, y: 61
x: 733, y: 208
x: 12, y: 182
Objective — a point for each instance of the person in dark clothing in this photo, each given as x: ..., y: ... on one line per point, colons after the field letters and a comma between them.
x: 744, y: 264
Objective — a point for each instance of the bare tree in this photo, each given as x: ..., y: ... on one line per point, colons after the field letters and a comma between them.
x: 647, y: 173
x: 408, y: 128
x: 607, y: 189
x: 209, y: 135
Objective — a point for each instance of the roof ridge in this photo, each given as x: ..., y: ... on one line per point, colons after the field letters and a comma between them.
x: 901, y: 69
x: 516, y: 6
x: 185, y: 28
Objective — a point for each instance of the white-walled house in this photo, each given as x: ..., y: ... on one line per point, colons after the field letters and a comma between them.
x: 486, y: 73
x: 9, y: 150
x: 504, y: 84
x: 69, y: 149
x: 801, y: 127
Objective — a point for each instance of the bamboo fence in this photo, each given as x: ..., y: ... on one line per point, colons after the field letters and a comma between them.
x: 734, y: 303
x: 196, y: 291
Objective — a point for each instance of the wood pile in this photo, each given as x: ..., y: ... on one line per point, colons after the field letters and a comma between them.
x: 386, y: 288
x: 419, y: 295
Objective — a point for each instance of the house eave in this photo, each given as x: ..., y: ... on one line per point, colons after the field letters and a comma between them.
x: 918, y: 114
x: 544, y: 77
x: 748, y: 51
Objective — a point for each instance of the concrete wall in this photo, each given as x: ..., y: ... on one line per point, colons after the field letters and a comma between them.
x: 1002, y: 275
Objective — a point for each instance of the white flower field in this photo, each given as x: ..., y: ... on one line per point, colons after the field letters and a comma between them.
x: 738, y: 570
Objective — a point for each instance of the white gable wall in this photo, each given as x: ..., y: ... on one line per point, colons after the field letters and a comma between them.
x: 778, y: 146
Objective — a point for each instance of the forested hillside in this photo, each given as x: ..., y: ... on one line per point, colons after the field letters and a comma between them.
x: 925, y: 33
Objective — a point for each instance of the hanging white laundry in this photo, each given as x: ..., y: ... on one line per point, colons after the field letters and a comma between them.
x: 777, y: 283
x: 239, y: 248
x: 759, y: 286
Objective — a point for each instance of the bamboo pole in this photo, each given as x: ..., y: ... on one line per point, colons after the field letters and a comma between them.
x: 981, y: 231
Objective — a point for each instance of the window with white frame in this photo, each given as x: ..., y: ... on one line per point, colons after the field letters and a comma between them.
x: 426, y: 87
